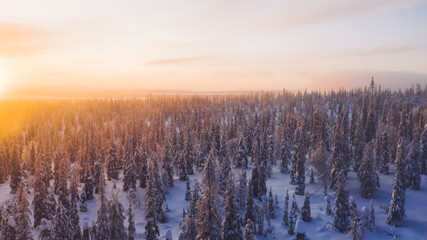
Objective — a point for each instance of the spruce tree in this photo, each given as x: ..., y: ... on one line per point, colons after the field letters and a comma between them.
x: 385, y: 154
x: 396, y: 209
x: 242, y: 190
x: 369, y: 181
x: 88, y: 187
x: 271, y: 205
x: 249, y: 208
x: 285, y: 219
x: 15, y: 172
x: 22, y: 215
x: 371, y: 219
x: 209, y: 214
x: 74, y: 214
x: 293, y: 215
x: 131, y: 223
x: 328, y: 205
x: 102, y: 221
x: 356, y: 231
x: 188, y: 191
x: 413, y: 169
x: 40, y: 207
x: 116, y: 218
x: 151, y: 228
x: 231, y: 223
x: 129, y: 180
x: 305, y: 210
x: 113, y: 165
x: 341, y: 207
x: 62, y: 228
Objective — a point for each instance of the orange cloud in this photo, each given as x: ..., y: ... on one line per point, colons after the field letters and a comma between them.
x: 16, y: 39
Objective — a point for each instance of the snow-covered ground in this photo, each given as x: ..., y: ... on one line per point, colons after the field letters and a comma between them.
x: 414, y: 225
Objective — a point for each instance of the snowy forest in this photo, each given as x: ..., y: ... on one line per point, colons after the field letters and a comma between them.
x: 347, y: 164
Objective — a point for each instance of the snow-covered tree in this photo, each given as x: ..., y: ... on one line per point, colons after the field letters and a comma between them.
x: 293, y: 215
x: 369, y: 181
x: 22, y: 215
x: 285, y: 219
x: 305, y: 210
x: 116, y: 218
x: 249, y: 233
x: 396, y: 209
x: 151, y: 228
x: 131, y: 223
x: 249, y: 208
x: 341, y: 207
x: 130, y: 176
x: 231, y: 223
x: 209, y: 214
x: 113, y: 165
x: 242, y: 190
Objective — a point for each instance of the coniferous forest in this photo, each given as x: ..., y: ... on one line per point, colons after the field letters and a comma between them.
x: 347, y: 164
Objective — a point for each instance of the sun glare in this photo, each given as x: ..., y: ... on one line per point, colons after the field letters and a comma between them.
x: 4, y: 77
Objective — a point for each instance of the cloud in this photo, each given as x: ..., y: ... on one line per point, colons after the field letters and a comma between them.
x: 378, y: 50
x: 17, y: 39
x: 177, y: 60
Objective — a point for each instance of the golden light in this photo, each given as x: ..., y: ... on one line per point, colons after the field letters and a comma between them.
x: 4, y: 77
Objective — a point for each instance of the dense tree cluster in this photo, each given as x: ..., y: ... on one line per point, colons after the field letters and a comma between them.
x: 65, y: 151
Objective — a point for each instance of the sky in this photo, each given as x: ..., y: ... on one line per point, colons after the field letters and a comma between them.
x: 211, y: 45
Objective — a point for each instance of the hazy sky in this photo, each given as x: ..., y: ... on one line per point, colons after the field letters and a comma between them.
x: 211, y: 45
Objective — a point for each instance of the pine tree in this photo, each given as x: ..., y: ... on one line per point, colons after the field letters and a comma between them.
x: 249, y: 208
x: 102, y: 221
x: 271, y: 205
x: 413, y: 169
x: 209, y: 214
x: 113, y: 165
x: 396, y: 209
x: 249, y: 231
x: 262, y: 181
x: 300, y: 161
x: 285, y: 220
x: 131, y: 223
x: 129, y: 180
x: 385, y: 154
x: 356, y: 231
x: 305, y: 210
x: 62, y: 228
x: 116, y: 218
x: 338, y: 164
x: 293, y: 214
x: 188, y: 191
x: 88, y: 187
x: 182, y: 168
x: 74, y: 213
x: 359, y: 146
x: 22, y: 215
x: 15, y: 172
x: 369, y: 181
x: 231, y: 223
x: 151, y: 228
x: 242, y: 190
x: 41, y: 208
x: 224, y: 172
x: 341, y: 207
